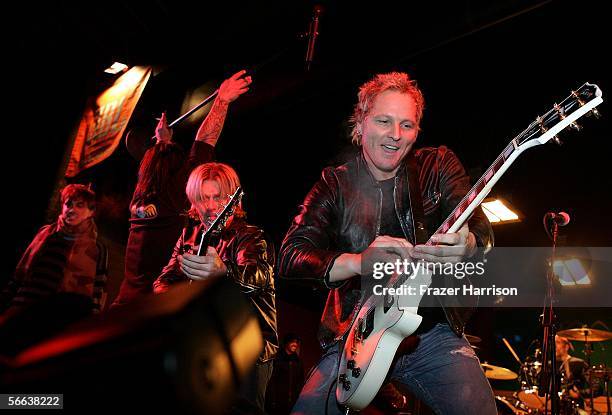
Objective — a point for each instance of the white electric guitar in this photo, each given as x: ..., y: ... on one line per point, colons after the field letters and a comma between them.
x: 382, y: 323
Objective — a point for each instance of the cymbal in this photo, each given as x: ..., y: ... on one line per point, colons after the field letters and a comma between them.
x: 498, y: 372
x: 586, y: 334
x: 472, y: 339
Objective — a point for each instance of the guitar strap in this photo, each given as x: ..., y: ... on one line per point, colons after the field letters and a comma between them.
x: 416, y: 201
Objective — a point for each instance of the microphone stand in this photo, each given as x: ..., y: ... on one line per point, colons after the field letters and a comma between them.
x: 548, y: 377
x: 313, y: 33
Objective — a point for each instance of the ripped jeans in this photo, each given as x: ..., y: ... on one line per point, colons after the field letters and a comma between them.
x: 443, y: 372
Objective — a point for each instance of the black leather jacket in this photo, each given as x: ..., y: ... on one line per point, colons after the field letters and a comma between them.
x: 341, y: 214
x: 249, y: 258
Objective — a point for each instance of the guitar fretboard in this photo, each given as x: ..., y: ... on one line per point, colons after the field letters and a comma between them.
x: 479, y: 187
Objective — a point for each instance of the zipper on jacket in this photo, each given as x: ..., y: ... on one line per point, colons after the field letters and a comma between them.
x: 399, y: 217
x: 396, y: 209
x: 380, y: 212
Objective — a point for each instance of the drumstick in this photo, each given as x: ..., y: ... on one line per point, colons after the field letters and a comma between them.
x: 511, y: 350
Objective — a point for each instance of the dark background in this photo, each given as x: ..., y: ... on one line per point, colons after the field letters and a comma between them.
x: 487, y: 69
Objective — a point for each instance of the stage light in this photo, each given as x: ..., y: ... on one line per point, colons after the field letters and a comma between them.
x: 116, y: 68
x: 499, y: 211
x: 570, y: 272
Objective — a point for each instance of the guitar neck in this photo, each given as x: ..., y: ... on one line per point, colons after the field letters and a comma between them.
x: 210, y: 235
x: 480, y: 190
x: 205, y: 242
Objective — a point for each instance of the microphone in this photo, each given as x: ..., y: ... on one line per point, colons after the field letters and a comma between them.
x: 313, y: 32
x: 561, y: 218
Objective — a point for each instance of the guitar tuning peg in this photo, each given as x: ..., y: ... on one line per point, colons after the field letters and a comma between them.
x: 560, y: 110
x: 594, y: 113
x: 540, y: 121
x: 575, y: 95
x: 575, y: 126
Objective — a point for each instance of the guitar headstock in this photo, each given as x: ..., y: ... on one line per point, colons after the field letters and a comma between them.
x: 217, y: 225
x: 543, y: 129
x: 562, y: 115
x: 227, y: 211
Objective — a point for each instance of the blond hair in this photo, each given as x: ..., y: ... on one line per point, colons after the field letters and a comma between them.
x: 224, y: 175
x: 396, y: 81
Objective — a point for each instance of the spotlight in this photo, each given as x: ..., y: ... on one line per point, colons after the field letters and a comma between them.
x: 499, y: 211
x: 116, y: 68
x: 570, y: 272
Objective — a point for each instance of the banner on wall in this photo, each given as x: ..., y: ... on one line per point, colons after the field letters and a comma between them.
x: 104, y: 122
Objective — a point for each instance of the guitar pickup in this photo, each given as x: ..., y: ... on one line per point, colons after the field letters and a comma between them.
x: 369, y: 325
x: 363, y: 329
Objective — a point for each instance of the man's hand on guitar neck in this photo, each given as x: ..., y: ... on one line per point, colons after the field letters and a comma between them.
x: 450, y: 247
x: 200, y: 268
x: 383, y: 249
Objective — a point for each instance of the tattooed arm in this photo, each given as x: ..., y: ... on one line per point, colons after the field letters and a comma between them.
x: 229, y: 91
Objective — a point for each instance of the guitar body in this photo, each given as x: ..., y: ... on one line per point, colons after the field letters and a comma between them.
x: 373, y: 358
x: 371, y: 344
x: 381, y: 323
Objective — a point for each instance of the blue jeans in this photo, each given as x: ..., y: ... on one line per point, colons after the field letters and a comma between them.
x: 443, y: 372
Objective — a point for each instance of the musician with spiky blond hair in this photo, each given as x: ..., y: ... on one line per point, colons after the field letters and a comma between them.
x: 382, y: 206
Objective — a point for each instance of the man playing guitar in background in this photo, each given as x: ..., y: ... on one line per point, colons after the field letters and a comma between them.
x: 240, y: 251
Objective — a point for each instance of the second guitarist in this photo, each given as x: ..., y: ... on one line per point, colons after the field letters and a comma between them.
x: 241, y: 252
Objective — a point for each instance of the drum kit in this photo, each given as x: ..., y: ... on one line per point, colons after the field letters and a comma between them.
x: 530, y: 398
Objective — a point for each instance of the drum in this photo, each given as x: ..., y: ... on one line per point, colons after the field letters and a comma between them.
x: 597, y: 376
x: 530, y: 382
x: 600, y: 405
x: 505, y: 407
x: 534, y: 403
x: 569, y: 406
x: 531, y: 399
x: 530, y: 374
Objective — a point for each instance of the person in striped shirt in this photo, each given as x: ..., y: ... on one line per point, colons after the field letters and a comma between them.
x: 64, y: 258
